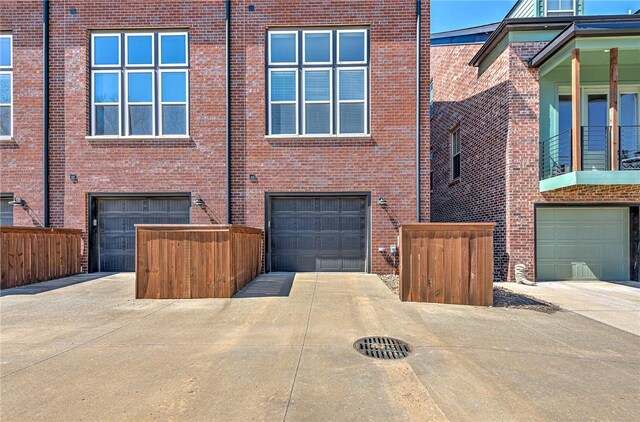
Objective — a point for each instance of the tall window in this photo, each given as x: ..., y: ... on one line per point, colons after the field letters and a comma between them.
x: 140, y: 84
x: 455, y: 154
x: 318, y: 82
x: 6, y: 86
x: 560, y: 7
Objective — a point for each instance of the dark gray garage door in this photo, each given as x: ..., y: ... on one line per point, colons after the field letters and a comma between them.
x: 319, y: 234
x: 117, y: 218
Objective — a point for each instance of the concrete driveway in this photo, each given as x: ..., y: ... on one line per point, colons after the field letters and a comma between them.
x: 282, y: 350
x: 615, y: 304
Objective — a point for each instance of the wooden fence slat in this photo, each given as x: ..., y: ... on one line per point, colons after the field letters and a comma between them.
x: 188, y: 261
x: 32, y: 254
x: 447, y: 263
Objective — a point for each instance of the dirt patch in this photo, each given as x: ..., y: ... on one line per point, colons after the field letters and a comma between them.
x: 391, y: 281
x: 503, y: 298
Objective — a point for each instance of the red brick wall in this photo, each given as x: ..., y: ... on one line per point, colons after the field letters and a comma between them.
x: 21, y: 166
x: 477, y: 104
x: 498, y: 115
x: 383, y: 164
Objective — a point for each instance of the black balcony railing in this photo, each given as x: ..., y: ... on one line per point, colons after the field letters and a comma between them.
x: 555, y: 155
x: 629, y: 152
x: 596, y: 141
x: 556, y: 152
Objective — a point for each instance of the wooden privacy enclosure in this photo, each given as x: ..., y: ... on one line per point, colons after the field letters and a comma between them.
x: 32, y: 254
x: 447, y: 263
x: 194, y: 261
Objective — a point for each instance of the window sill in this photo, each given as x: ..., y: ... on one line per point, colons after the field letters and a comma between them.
x: 454, y: 182
x: 6, y: 139
x: 320, y: 137
x: 134, y: 138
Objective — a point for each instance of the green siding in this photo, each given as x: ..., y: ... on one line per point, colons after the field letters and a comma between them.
x: 582, y: 243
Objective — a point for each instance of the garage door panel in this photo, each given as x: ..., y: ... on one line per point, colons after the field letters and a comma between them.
x: 117, y: 218
x: 582, y: 243
x: 323, y: 234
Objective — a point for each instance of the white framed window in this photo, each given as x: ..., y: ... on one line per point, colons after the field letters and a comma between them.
x: 105, y: 50
x: 139, y: 115
x: 138, y: 90
x: 352, y: 100
x: 317, y: 112
x: 174, y: 102
x: 560, y: 7
x: 317, y: 82
x: 139, y: 50
x: 352, y: 46
x: 283, y: 101
x: 174, y: 48
x: 317, y: 46
x: 105, y: 101
x: 283, y: 47
x: 455, y: 154
x: 6, y: 86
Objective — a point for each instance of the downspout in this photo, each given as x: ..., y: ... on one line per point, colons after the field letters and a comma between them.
x: 418, y: 41
x: 228, y: 105
x: 45, y: 111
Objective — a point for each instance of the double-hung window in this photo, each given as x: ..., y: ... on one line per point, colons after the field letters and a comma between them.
x: 317, y: 83
x: 6, y: 86
x: 560, y: 7
x: 455, y: 154
x: 140, y: 84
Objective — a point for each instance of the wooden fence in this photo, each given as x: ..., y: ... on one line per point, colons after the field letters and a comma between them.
x: 32, y: 254
x: 447, y: 263
x: 193, y: 261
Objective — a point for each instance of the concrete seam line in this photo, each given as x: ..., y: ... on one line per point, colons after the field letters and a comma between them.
x: 88, y: 341
x: 304, y: 340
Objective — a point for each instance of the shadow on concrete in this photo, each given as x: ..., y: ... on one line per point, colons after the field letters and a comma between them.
x: 268, y: 285
x: 46, y: 286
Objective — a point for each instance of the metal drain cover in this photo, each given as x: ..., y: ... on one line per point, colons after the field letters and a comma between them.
x: 383, y: 348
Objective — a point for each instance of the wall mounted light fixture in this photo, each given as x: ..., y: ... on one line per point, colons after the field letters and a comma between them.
x: 382, y: 202
x: 18, y: 202
x: 199, y: 202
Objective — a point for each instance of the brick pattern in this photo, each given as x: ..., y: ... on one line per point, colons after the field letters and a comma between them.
x: 21, y: 167
x: 501, y: 127
x: 383, y: 163
x: 477, y: 104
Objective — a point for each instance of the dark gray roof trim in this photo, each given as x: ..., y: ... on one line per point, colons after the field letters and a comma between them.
x: 535, y: 24
x: 628, y: 26
x: 473, y: 35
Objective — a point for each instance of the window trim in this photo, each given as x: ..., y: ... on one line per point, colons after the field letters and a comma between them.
x: 316, y: 31
x: 126, y: 49
x: 365, y: 52
x: 186, y: 49
x: 277, y: 31
x: 364, y: 101
x: 162, y: 103
x: 10, y: 37
x: 153, y: 103
x: 296, y: 102
x: 455, y: 131
x: 10, y: 105
x: 8, y: 70
x: 94, y: 104
x: 123, y: 69
x: 305, y: 102
x: 555, y: 12
x: 93, y: 49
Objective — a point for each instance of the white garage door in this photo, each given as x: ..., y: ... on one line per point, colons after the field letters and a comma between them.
x: 582, y: 243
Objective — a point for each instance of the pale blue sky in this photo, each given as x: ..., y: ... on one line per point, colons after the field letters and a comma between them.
x: 455, y: 14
